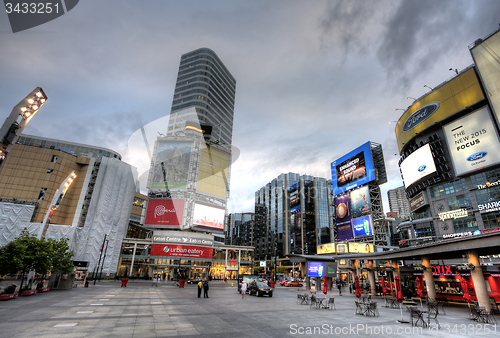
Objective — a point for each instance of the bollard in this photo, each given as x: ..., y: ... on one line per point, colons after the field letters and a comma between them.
x: 232, y: 284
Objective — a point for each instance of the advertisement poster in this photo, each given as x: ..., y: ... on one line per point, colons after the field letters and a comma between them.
x: 353, y: 169
x: 315, y: 269
x: 362, y: 226
x: 418, y: 165
x: 360, y: 247
x: 207, y: 216
x: 171, y: 166
x: 174, y: 250
x: 343, y: 217
x: 360, y: 202
x: 472, y: 142
x: 212, y: 176
x: 165, y: 212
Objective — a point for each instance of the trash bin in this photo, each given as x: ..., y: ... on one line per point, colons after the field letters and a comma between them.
x: 181, y: 283
x: 124, y: 282
x: 273, y: 284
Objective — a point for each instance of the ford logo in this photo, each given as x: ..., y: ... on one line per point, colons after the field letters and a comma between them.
x: 477, y: 156
x: 421, y: 168
x: 419, y: 116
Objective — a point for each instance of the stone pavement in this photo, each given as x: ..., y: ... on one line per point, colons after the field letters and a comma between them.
x: 140, y: 310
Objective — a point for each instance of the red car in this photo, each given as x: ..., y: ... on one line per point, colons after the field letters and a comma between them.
x: 283, y: 282
x: 293, y: 283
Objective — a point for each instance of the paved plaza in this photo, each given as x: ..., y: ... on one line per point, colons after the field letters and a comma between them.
x: 140, y: 310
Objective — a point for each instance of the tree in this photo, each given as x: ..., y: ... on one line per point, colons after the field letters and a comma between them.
x: 26, y: 253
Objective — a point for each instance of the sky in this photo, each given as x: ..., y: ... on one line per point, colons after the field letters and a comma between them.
x: 315, y: 80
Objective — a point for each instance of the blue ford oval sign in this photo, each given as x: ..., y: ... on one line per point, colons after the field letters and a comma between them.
x: 421, y: 168
x: 477, y: 156
x: 420, y: 116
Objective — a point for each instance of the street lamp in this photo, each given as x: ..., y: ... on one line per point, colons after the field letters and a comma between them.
x: 428, y: 87
x: 411, y: 98
x: 21, y: 114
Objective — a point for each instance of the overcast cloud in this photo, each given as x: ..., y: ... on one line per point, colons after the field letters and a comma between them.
x: 314, y: 79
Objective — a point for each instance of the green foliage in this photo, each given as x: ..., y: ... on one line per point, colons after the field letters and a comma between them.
x: 258, y: 269
x: 282, y: 269
x: 26, y: 253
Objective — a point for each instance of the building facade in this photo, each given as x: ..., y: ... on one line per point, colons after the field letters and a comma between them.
x: 239, y: 229
x: 449, y: 146
x: 399, y: 203
x: 292, y: 215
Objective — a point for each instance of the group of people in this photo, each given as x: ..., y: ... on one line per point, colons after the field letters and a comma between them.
x: 203, y: 285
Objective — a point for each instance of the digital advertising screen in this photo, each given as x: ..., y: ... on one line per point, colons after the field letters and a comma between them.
x: 352, y: 169
x: 418, y: 165
x: 360, y: 202
x: 212, y: 175
x: 343, y: 217
x: 362, y: 226
x: 472, y: 142
x: 315, y: 269
x: 171, y: 165
x: 164, y: 212
x: 207, y: 216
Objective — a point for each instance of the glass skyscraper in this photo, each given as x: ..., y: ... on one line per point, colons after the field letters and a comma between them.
x: 204, y: 93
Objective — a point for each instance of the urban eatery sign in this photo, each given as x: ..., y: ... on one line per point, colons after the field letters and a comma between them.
x: 186, y: 251
x: 454, y: 214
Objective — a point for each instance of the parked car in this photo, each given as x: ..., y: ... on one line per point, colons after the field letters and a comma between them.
x: 293, y: 283
x: 283, y: 282
x: 260, y: 289
x: 194, y: 281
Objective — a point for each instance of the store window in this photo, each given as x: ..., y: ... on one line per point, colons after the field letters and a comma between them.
x: 490, y: 176
x: 448, y: 188
x: 491, y: 220
x: 459, y: 202
x: 465, y: 224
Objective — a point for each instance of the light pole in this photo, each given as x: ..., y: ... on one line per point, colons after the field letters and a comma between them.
x: 15, y: 123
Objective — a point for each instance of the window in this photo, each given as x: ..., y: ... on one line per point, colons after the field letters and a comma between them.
x: 54, y: 159
x: 41, y: 195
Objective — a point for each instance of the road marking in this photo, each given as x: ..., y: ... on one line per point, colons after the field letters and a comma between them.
x: 65, y: 324
x: 155, y: 302
x: 104, y: 299
x: 85, y: 311
x: 96, y: 304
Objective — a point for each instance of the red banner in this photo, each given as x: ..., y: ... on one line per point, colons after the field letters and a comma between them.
x: 174, y: 250
x: 164, y: 212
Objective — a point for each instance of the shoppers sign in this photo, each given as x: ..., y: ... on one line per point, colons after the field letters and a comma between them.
x: 473, y: 142
x: 458, y: 235
x: 454, y: 214
x: 185, y: 251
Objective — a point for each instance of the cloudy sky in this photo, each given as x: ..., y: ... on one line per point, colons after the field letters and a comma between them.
x: 315, y: 79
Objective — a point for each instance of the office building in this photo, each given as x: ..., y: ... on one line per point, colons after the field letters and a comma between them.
x: 399, y: 203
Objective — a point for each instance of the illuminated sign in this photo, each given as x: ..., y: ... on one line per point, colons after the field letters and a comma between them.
x: 353, y: 169
x: 454, y: 214
x: 360, y: 202
x: 360, y: 247
x: 342, y: 248
x: 173, y: 250
x: 418, y: 201
x: 263, y: 263
x: 460, y: 92
x: 207, y: 216
x: 418, y: 165
x: 315, y: 269
x: 182, y: 237
x: 325, y: 248
x: 486, y: 231
x: 343, y: 217
x: 489, y: 207
x: 488, y: 185
x: 472, y: 142
x: 165, y: 212
x: 171, y: 165
x: 362, y: 226
x: 212, y: 176
x: 458, y: 235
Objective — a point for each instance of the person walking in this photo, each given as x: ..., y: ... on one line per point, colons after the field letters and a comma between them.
x: 243, y: 290
x: 339, y: 286
x: 200, y: 286
x: 205, y: 289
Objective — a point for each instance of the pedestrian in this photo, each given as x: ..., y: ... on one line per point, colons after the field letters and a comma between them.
x: 339, y: 286
x: 243, y: 290
x: 205, y: 289
x: 155, y: 280
x: 164, y: 277
x: 200, y: 286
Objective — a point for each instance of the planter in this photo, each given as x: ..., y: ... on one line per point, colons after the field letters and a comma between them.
x: 28, y: 293
x: 124, y: 282
x: 181, y: 283
x: 9, y: 296
x: 273, y: 284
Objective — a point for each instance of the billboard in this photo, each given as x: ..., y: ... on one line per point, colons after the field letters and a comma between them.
x: 325, y: 248
x: 418, y: 201
x: 362, y: 226
x: 472, y: 142
x: 486, y: 57
x: 185, y: 251
x: 212, y: 175
x: 353, y: 169
x: 360, y: 202
x: 171, y: 165
x: 360, y: 247
x: 208, y: 216
x: 418, y: 165
x: 343, y: 217
x: 460, y: 92
x: 164, y: 212
x: 315, y: 269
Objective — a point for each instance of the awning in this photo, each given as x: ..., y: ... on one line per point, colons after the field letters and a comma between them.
x: 407, y: 224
